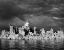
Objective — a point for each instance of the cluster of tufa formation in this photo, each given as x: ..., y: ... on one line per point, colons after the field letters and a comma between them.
x: 25, y: 32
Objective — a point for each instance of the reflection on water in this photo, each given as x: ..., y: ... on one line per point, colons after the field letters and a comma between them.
x: 32, y: 44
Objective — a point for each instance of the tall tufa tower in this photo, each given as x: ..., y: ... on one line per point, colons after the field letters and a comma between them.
x: 11, y: 30
x: 26, y: 24
x: 35, y: 30
x: 21, y: 31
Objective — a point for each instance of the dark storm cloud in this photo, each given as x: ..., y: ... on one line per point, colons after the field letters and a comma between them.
x: 36, y: 11
x: 6, y: 11
x: 9, y: 10
x: 17, y: 8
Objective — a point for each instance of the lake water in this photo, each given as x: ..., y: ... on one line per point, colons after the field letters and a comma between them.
x: 31, y: 44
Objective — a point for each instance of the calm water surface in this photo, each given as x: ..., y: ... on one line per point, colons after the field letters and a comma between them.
x: 32, y: 44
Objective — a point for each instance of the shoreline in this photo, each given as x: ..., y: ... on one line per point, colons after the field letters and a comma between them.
x: 28, y: 37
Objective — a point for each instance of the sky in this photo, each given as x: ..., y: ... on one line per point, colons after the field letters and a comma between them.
x: 40, y: 13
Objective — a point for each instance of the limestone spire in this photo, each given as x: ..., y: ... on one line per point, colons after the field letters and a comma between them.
x: 26, y: 24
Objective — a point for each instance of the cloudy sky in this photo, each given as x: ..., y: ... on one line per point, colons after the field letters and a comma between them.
x: 40, y: 13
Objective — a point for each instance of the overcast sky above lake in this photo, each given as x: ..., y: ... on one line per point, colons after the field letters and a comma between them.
x: 40, y: 13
